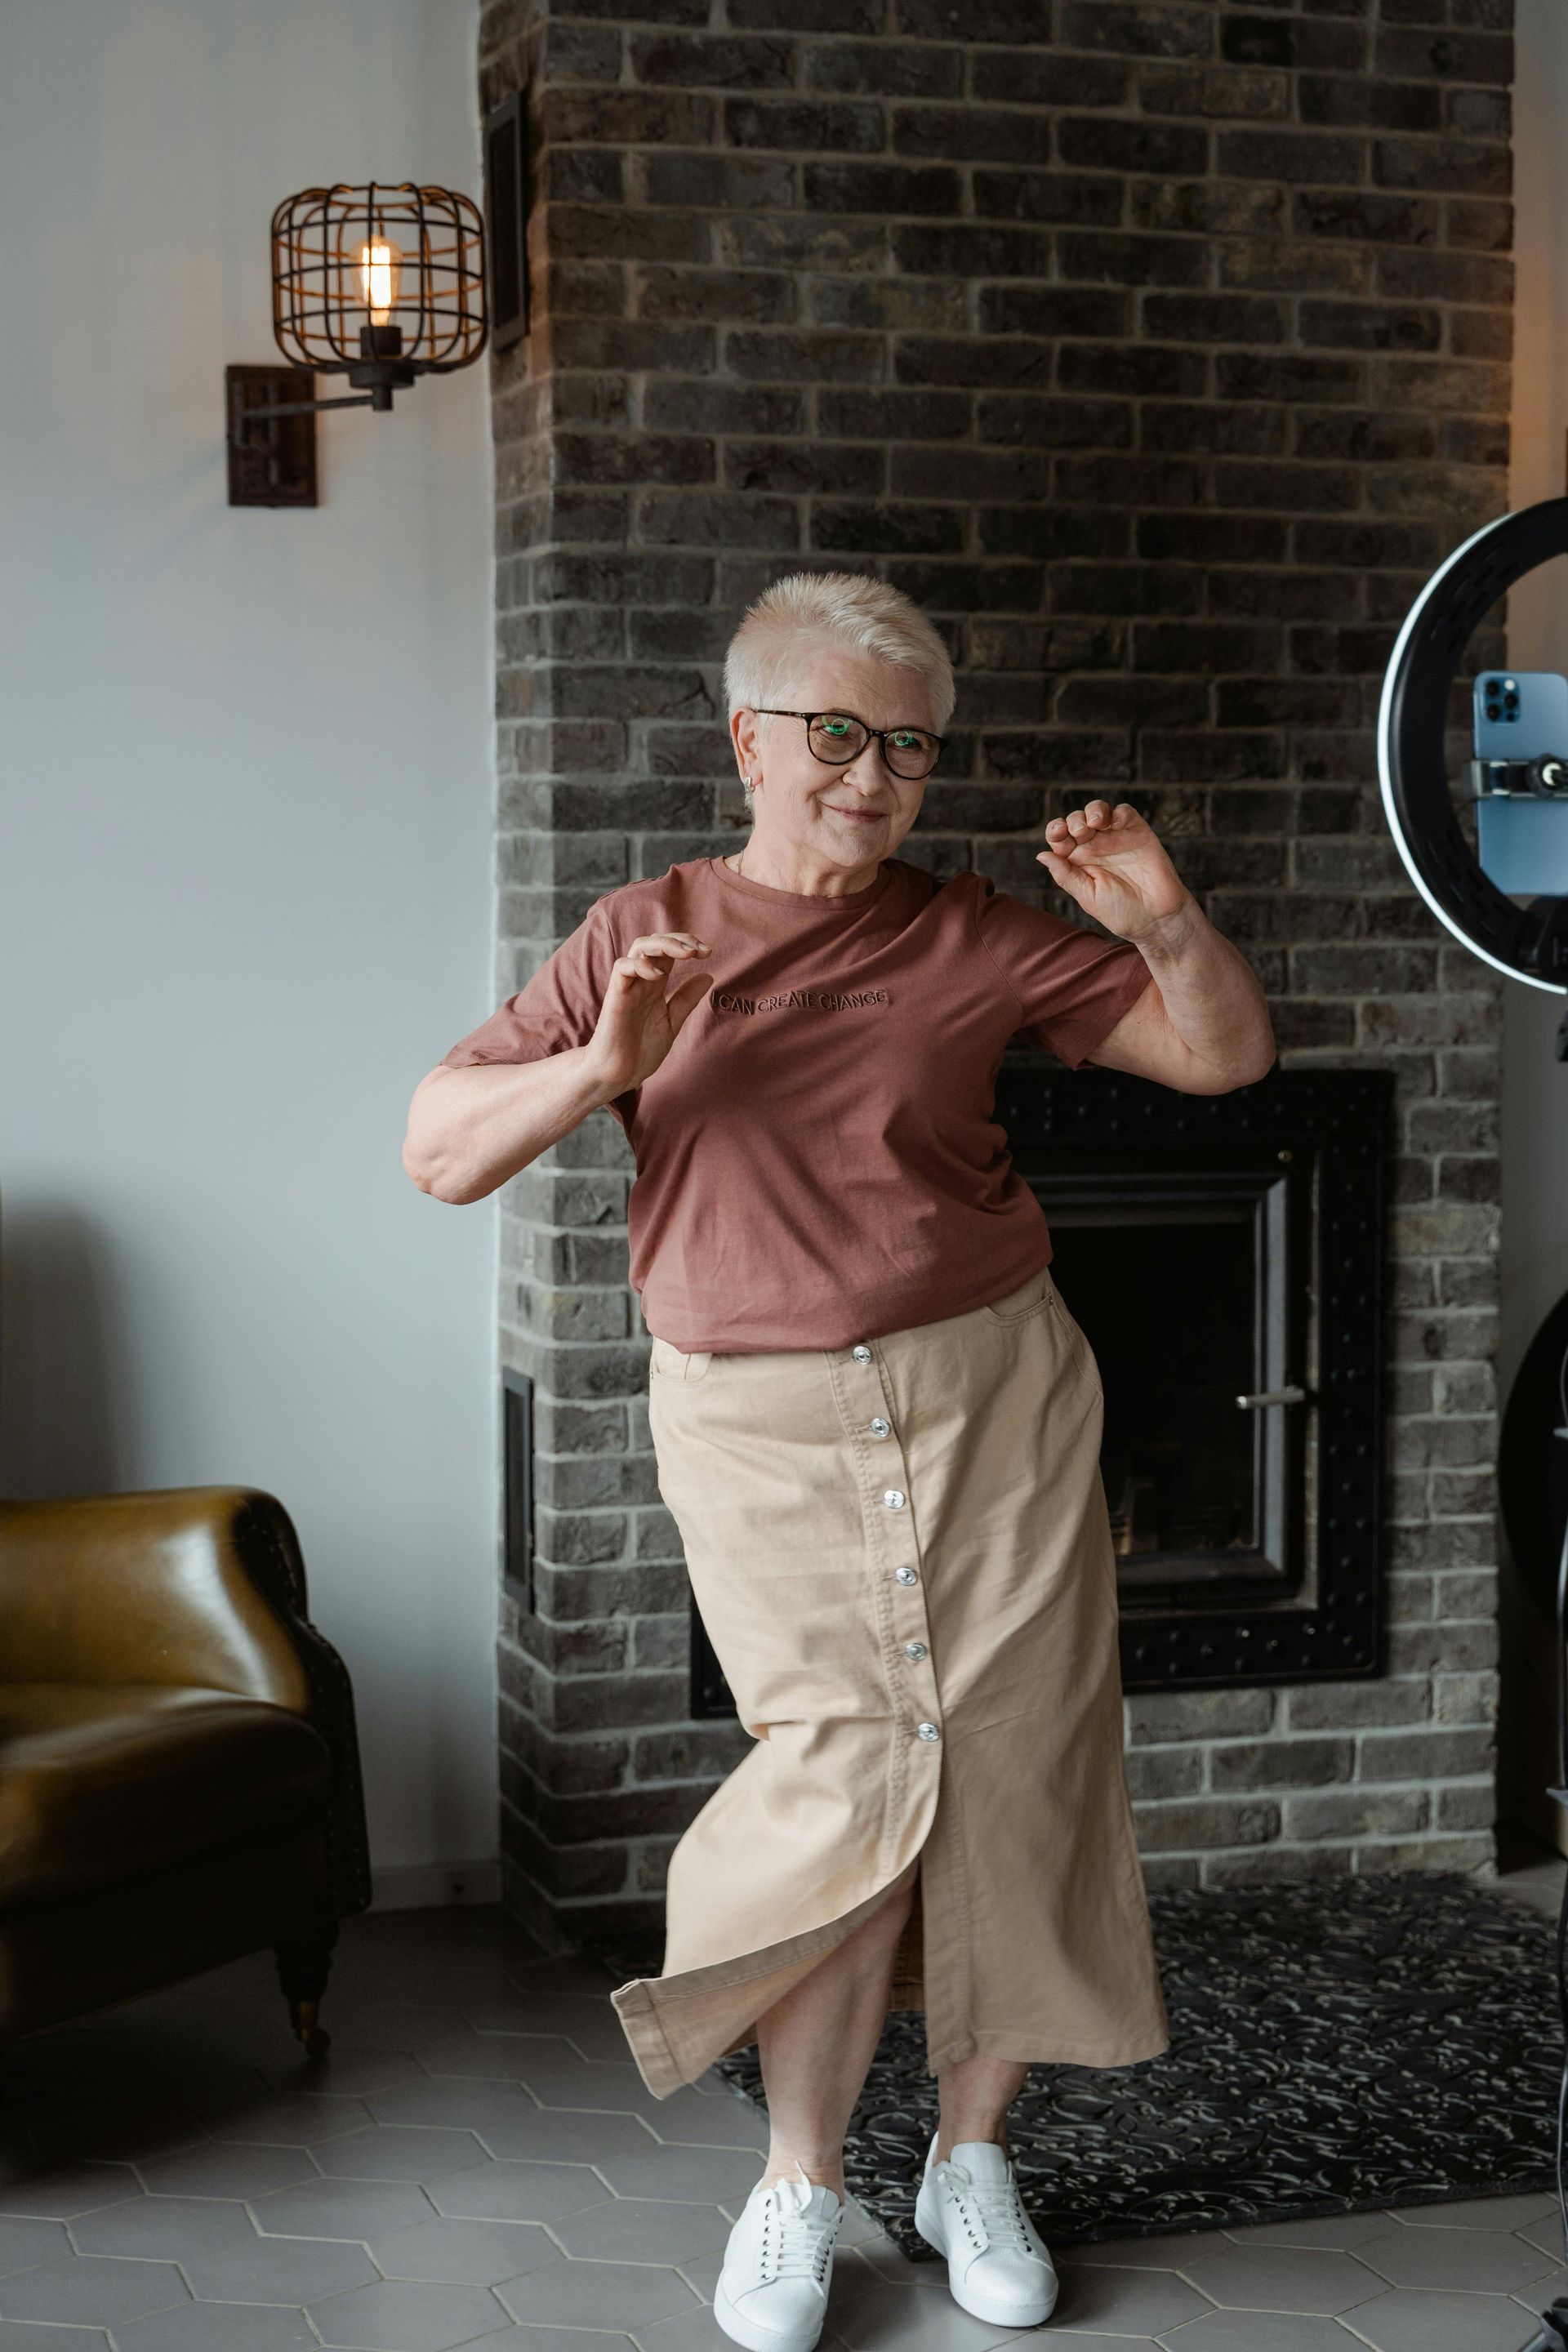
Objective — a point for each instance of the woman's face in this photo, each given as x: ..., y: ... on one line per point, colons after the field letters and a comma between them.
x: 847, y: 816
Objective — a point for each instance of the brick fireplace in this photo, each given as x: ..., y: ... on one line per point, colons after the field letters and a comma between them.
x: 1159, y: 350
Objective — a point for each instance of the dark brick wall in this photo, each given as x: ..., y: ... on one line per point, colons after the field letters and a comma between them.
x: 1159, y: 350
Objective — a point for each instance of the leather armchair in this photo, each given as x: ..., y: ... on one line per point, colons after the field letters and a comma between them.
x: 179, y: 1771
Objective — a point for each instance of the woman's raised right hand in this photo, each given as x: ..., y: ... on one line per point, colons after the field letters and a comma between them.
x: 638, y: 1021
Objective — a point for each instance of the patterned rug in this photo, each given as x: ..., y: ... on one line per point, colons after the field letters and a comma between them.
x: 1335, y: 2047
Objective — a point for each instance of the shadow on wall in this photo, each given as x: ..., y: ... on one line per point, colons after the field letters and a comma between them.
x: 67, y: 1414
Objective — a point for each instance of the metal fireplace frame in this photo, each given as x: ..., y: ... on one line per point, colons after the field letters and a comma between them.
x: 1333, y: 1130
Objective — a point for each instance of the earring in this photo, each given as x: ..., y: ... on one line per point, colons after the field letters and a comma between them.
x: 747, y: 786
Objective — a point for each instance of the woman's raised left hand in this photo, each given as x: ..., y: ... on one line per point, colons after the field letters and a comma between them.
x: 1111, y: 861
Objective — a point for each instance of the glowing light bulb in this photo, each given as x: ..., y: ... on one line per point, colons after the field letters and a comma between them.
x: 379, y: 267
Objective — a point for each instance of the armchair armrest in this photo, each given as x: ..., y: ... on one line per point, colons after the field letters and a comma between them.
x: 195, y: 1585
x: 156, y: 1587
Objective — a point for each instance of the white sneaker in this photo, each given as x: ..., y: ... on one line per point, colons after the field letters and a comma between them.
x: 969, y: 2209
x: 771, y: 2294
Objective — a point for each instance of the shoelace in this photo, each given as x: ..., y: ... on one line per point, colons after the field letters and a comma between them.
x: 795, y: 2244
x: 998, y: 2204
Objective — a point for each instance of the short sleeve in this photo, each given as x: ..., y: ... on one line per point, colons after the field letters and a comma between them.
x: 1073, y: 984
x: 557, y: 1008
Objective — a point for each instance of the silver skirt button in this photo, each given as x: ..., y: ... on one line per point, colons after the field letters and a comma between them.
x: 861, y: 1355
x: 880, y: 1428
x: 929, y: 1731
x: 914, y: 1649
x: 895, y: 1499
x: 905, y: 1576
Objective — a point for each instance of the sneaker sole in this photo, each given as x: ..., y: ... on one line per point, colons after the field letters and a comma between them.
x: 929, y: 2228
x: 741, y: 2330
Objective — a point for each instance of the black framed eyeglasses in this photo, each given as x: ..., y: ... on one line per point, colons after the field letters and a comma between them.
x: 836, y: 737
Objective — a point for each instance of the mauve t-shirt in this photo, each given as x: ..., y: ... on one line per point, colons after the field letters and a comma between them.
x: 817, y: 1159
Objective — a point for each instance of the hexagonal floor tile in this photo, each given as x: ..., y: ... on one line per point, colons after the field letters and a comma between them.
x: 560, y: 2076
x: 872, y: 2317
x: 689, y: 2119
x: 210, y: 2170
x: 701, y: 2332
x: 1258, y: 2331
x: 342, y: 2209
x: 568, y: 2138
x: 544, y: 2339
x: 711, y: 2176
x: 476, y: 2056
x: 399, y: 2316
x: 292, y: 2123
x: 24, y: 2244
x: 1131, y: 2302
x: 60, y: 2195
x: 1407, y: 2319
x: 458, y: 2100
x: 590, y: 2025
x: 92, y: 2290
x: 168, y: 2227
x: 1545, y: 2236
x: 217, y: 2327
x: 641, y: 2230
x: 1283, y: 2278
x: 1170, y: 2252
x: 1476, y: 2262
x: 394, y: 2154
x: 464, y: 2252
x: 514, y: 2189
x: 279, y: 2270
x: 20, y: 2336
x: 377, y: 2025
x: 353, y: 2072
x: 611, y: 2295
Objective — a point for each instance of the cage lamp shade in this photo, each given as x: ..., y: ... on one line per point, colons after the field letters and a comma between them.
x: 382, y: 283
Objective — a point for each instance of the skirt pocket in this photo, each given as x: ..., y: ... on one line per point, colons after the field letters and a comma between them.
x: 670, y: 1362
x: 1031, y: 1297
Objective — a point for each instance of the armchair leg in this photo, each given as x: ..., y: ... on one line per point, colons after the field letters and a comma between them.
x: 303, y: 1970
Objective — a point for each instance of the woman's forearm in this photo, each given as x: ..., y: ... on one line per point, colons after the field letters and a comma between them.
x: 1211, y: 995
x: 472, y: 1129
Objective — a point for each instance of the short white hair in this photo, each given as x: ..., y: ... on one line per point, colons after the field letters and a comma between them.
x: 848, y: 611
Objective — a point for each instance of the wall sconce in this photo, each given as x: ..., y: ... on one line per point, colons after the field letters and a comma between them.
x: 379, y: 284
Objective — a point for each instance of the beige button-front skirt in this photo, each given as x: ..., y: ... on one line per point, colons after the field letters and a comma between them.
x: 903, y: 1560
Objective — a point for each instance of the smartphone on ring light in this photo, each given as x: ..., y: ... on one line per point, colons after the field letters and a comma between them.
x: 1518, y: 780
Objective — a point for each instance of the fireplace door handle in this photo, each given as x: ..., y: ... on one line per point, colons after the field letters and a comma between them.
x: 1261, y: 1397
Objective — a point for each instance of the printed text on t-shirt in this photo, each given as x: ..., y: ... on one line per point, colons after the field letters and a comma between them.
x: 798, y: 1000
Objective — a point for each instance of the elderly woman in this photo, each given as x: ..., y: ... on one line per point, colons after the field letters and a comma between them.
x: 876, y: 1424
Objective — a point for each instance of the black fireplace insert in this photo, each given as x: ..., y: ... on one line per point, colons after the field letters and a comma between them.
x: 1225, y: 1255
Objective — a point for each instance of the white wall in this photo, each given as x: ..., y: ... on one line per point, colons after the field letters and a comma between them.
x: 245, y: 785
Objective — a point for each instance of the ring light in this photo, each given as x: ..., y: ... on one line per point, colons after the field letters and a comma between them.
x: 1528, y: 943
